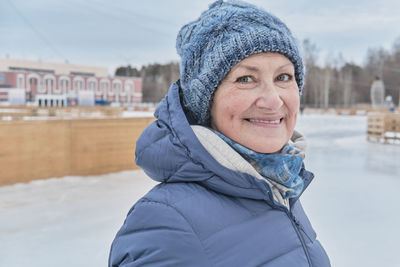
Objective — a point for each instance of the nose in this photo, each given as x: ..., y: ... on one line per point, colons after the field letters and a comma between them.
x: 269, y: 98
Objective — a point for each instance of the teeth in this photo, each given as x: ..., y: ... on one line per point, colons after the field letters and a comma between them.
x: 275, y: 121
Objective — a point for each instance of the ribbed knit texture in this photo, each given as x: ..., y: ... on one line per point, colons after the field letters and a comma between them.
x: 222, y: 36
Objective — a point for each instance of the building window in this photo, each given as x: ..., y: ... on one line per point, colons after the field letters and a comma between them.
x: 117, y: 86
x: 92, y: 84
x: 64, y: 84
x: 34, y: 84
x: 20, y: 81
x: 129, y: 87
x: 78, y: 84
x: 49, y: 84
x: 105, y: 87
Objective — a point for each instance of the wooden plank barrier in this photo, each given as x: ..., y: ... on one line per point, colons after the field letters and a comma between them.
x: 383, y: 127
x: 18, y: 112
x: 31, y: 150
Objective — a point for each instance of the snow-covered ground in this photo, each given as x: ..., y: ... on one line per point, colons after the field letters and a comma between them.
x: 137, y: 114
x: 352, y: 204
x: 65, y: 222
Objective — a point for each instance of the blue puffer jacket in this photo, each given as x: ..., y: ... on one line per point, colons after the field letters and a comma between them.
x: 204, y: 214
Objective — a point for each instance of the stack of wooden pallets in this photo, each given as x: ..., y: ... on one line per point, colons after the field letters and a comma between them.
x: 384, y: 127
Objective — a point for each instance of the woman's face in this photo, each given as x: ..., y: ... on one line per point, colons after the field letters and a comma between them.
x: 256, y: 105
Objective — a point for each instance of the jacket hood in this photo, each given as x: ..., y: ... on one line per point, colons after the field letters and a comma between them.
x: 169, y: 151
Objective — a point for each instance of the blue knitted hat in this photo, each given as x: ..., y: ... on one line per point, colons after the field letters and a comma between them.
x: 222, y: 36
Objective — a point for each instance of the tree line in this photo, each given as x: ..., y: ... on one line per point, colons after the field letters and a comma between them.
x: 156, y: 78
x: 345, y: 84
x: 336, y: 84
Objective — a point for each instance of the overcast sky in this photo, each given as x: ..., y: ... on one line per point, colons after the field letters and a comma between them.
x: 111, y: 33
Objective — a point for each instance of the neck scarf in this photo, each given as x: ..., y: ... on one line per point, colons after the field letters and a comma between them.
x: 283, y: 167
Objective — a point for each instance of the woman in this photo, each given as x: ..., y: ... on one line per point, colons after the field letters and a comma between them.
x: 226, y: 153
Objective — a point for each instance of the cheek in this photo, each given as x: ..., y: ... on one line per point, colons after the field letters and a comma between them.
x: 234, y: 109
x: 293, y: 104
x: 225, y: 116
x: 230, y: 105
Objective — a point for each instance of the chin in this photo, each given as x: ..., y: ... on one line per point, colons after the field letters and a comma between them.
x: 267, y: 148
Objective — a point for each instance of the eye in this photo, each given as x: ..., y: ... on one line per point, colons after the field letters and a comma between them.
x: 245, y: 79
x: 284, y: 77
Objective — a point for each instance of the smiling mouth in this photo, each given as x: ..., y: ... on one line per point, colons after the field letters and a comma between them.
x: 277, y: 121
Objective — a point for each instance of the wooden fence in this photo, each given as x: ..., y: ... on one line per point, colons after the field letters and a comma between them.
x: 71, y: 112
x: 32, y: 150
x: 18, y: 112
x: 384, y: 127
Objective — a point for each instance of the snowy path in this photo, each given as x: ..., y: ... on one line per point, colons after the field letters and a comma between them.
x: 352, y: 204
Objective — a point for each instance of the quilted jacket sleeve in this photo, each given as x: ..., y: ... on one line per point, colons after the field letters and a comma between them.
x: 156, y: 234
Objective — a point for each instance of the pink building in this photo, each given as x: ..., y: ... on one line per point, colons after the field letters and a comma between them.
x: 64, y: 89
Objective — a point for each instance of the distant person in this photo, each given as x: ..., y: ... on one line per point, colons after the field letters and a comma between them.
x: 224, y: 150
x: 392, y: 108
x: 390, y: 104
x: 301, y: 109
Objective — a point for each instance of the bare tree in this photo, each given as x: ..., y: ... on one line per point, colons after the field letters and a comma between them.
x: 326, y: 87
x: 157, y: 79
x: 312, y: 83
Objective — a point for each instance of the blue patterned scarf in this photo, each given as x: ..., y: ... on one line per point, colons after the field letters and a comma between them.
x: 283, y: 167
